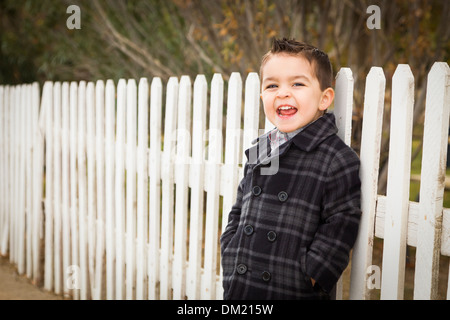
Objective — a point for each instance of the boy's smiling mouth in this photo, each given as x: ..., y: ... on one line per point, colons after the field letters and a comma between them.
x: 286, y: 111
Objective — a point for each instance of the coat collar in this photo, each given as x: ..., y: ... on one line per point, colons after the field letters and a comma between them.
x: 308, y: 139
x: 315, y: 132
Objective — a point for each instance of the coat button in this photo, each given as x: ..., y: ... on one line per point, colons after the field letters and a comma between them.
x: 256, y: 190
x: 241, y: 268
x: 248, y: 230
x: 282, y: 196
x: 265, y: 276
x: 271, y: 236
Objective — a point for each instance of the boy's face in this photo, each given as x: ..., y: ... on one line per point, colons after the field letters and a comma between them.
x: 291, y: 93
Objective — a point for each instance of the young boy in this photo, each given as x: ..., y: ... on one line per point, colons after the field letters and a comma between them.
x: 290, y: 233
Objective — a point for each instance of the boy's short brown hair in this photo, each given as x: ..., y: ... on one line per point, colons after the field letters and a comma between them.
x: 318, y: 59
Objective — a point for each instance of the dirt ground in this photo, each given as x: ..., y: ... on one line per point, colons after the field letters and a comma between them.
x: 16, y: 287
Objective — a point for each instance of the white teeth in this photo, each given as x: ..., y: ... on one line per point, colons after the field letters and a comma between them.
x: 285, y: 108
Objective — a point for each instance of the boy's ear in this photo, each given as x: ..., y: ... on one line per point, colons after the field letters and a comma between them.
x: 327, y: 99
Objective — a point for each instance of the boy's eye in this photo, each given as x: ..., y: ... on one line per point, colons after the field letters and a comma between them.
x: 271, y: 86
x: 298, y: 84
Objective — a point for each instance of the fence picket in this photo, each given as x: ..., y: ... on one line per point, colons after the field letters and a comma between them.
x: 4, y: 128
x: 109, y: 188
x: 396, y: 218
x: 65, y: 184
x: 119, y: 187
x: 29, y: 113
x: 48, y: 105
x: 343, y: 105
x: 251, y: 112
x: 142, y: 189
x: 230, y: 169
x: 37, y: 171
x: 183, y: 150
x: 434, y: 154
x: 370, y: 155
x: 197, y: 185
x: 167, y: 177
x: 155, y: 187
x: 130, y: 164
x: 91, y: 189
x: 343, y: 108
x: 74, y: 230
x: 20, y: 214
x: 99, y: 223
x: 208, y: 290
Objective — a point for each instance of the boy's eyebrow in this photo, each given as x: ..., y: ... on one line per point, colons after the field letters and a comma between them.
x: 290, y: 78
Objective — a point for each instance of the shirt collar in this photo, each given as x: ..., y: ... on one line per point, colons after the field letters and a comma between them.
x: 308, y: 137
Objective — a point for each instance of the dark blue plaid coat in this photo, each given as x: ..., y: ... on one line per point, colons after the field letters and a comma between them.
x: 296, y: 224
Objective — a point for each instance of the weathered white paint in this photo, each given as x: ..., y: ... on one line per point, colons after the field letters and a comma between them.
x: 343, y: 108
x: 434, y: 155
x: 396, y: 218
x: 370, y: 155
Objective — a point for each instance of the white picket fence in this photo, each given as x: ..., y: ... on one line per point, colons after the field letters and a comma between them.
x: 118, y: 209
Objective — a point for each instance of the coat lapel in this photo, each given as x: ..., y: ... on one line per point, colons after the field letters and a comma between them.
x: 307, y: 139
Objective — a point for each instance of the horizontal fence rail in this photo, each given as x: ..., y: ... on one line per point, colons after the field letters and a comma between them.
x: 109, y: 192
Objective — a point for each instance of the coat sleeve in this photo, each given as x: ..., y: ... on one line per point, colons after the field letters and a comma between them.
x: 234, y: 216
x: 328, y: 254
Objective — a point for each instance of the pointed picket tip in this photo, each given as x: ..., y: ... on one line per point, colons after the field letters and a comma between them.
x: 235, y: 77
x: 217, y: 77
x: 403, y: 71
x: 122, y: 82
x: 345, y: 73
x: 376, y: 73
x: 100, y: 83
x: 253, y: 76
x: 200, y: 78
x: 440, y: 68
x: 156, y: 83
x: 143, y: 80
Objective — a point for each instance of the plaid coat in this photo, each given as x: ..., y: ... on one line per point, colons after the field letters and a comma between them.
x: 296, y: 224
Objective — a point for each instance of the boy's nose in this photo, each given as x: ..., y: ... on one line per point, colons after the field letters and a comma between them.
x: 283, y: 93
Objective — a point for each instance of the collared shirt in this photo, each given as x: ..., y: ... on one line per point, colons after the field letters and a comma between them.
x: 277, y: 137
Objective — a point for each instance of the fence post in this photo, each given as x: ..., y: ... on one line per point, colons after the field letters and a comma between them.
x: 370, y: 155
x: 397, y: 202
x: 432, y: 182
